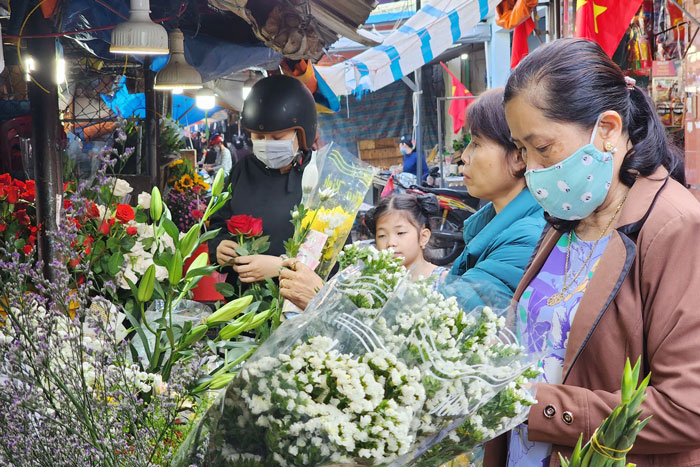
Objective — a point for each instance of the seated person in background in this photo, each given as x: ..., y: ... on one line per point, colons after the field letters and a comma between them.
x: 223, y: 156
x: 399, y: 222
x: 410, y: 157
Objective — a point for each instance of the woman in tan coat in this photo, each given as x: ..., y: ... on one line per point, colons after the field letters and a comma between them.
x: 617, y: 274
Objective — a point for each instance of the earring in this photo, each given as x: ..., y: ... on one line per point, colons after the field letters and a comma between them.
x: 609, y: 147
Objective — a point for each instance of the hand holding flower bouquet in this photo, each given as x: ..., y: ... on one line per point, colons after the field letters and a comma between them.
x: 332, y: 195
x: 376, y: 371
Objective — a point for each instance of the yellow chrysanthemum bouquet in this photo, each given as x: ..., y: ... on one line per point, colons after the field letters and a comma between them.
x: 334, y: 185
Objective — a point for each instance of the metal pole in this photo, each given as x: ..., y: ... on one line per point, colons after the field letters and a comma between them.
x: 419, y: 139
x: 151, y: 123
x: 45, y: 126
x: 441, y: 152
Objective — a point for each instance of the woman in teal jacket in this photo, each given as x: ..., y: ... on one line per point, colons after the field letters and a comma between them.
x: 501, y: 236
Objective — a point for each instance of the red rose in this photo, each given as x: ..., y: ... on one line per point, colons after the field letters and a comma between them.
x: 3, y: 227
x: 27, y: 249
x: 104, y: 228
x: 125, y: 213
x: 67, y: 204
x: 5, y: 179
x: 88, y: 243
x: 28, y: 194
x: 74, y: 262
x: 22, y: 217
x: 12, y: 194
x: 197, y: 214
x: 244, y: 225
x: 131, y: 230
x: 92, y: 210
x: 111, y: 221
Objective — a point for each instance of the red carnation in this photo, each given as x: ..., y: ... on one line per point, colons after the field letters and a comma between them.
x: 131, y: 230
x: 111, y: 221
x: 245, y: 225
x: 196, y: 213
x: 104, y: 228
x: 125, y: 213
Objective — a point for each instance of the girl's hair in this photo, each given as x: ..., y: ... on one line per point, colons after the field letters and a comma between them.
x: 486, y: 117
x: 574, y: 81
x: 419, y: 208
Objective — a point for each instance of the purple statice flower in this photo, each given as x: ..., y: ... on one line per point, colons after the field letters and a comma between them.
x: 70, y: 393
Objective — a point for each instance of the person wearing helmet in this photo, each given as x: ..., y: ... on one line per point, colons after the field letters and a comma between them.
x: 223, y: 156
x: 280, y: 114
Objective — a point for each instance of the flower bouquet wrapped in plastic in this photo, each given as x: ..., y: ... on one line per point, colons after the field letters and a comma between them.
x: 334, y: 185
x: 378, y: 370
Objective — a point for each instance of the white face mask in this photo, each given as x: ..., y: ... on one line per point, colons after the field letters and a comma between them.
x: 275, y: 154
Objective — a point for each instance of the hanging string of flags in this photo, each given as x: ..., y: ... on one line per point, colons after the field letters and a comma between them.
x: 428, y: 33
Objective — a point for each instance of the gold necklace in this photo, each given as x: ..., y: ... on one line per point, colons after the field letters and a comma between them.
x: 558, y: 297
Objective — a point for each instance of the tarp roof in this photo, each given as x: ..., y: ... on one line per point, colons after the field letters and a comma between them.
x: 428, y: 33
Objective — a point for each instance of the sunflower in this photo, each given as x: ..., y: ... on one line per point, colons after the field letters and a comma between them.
x: 176, y: 162
x: 178, y: 187
x: 186, y: 181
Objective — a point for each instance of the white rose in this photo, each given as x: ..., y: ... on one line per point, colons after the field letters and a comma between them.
x: 119, y: 187
x: 145, y: 200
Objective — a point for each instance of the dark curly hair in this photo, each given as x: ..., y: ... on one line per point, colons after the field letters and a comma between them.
x: 420, y: 208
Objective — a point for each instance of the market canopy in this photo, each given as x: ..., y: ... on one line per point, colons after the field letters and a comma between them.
x: 428, y: 33
x: 126, y: 105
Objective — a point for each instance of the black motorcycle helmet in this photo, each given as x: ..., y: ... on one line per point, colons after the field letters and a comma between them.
x: 278, y: 103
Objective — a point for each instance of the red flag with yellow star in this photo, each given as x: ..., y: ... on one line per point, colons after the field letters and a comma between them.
x: 605, y: 21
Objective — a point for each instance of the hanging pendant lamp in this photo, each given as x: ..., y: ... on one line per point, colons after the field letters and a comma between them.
x: 177, y: 74
x: 139, y: 35
x: 205, y: 99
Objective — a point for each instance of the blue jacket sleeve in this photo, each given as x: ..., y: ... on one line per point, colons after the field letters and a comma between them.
x: 494, y: 278
x: 409, y: 163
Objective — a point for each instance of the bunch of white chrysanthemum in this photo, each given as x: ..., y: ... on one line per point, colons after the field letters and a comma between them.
x: 318, y: 404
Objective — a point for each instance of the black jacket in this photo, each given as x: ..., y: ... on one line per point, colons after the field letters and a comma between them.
x: 264, y: 193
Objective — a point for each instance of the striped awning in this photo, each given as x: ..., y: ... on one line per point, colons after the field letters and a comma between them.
x: 428, y: 33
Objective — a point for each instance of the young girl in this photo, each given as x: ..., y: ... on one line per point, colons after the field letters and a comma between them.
x: 401, y: 222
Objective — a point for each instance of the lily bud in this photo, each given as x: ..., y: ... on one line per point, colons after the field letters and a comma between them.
x: 195, y: 334
x: 147, y: 285
x: 156, y: 204
x: 229, y: 311
x: 218, y: 185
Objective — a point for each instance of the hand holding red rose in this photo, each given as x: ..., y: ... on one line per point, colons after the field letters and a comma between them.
x: 248, y: 226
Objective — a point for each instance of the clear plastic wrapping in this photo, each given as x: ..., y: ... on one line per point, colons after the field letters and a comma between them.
x: 377, y: 371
